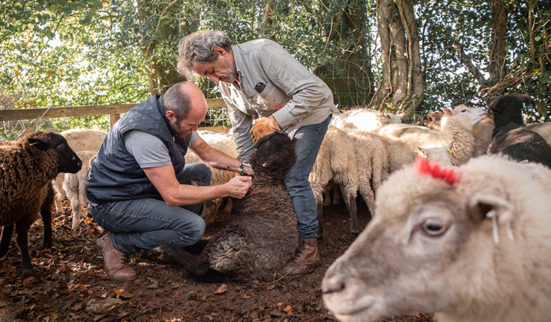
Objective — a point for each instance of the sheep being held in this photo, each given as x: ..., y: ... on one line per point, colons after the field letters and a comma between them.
x: 261, y: 235
x: 471, y: 244
x: 27, y: 167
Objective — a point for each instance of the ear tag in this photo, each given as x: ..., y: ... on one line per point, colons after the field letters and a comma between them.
x: 34, y: 143
x: 265, y: 164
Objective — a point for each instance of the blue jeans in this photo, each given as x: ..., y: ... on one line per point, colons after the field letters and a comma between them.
x: 307, y: 146
x: 148, y: 223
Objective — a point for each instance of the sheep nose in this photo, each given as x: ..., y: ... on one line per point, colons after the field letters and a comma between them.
x: 333, y: 285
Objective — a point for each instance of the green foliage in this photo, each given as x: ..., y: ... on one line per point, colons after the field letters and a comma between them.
x: 96, y: 52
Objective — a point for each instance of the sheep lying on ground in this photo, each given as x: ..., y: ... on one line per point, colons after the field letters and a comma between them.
x: 457, y: 134
x: 355, y: 162
x: 363, y: 119
x: 74, y: 187
x: 471, y: 245
x: 213, y: 210
x: 511, y: 137
x: 78, y: 140
x: 27, y: 167
x: 261, y: 235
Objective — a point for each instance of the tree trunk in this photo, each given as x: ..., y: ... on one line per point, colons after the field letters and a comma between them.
x: 162, y: 72
x: 498, y: 63
x: 401, y: 86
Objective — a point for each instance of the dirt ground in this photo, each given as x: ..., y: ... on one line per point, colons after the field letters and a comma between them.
x: 70, y: 284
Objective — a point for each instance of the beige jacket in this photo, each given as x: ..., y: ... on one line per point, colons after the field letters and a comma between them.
x: 272, y: 82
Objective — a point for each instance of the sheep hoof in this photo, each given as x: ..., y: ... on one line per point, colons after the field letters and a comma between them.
x: 26, y: 272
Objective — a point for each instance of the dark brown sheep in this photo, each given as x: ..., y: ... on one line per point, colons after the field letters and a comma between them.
x: 27, y: 167
x: 261, y: 235
x: 511, y: 137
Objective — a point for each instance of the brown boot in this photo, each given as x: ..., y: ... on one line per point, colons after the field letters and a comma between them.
x: 115, y: 261
x: 306, y: 257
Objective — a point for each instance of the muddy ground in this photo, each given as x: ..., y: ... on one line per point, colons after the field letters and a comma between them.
x: 70, y: 284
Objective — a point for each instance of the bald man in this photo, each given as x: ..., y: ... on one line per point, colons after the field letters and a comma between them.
x: 140, y: 189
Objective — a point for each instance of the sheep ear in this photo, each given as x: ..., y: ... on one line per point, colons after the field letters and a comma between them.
x: 495, y: 208
x: 39, y: 143
x: 482, y: 203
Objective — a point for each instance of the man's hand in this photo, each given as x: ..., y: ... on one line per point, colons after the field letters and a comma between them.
x: 263, y: 127
x: 238, y: 186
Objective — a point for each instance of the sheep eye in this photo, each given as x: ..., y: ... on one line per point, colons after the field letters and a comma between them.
x: 464, y: 110
x: 433, y: 227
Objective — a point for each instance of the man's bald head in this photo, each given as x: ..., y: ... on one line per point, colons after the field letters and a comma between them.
x: 182, y: 98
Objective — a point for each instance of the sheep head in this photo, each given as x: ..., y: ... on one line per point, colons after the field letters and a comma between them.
x: 508, y: 109
x: 274, y: 156
x: 419, y: 251
x: 58, y: 148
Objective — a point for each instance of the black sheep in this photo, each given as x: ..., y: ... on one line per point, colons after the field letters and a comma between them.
x: 27, y: 167
x: 511, y: 137
x: 261, y: 235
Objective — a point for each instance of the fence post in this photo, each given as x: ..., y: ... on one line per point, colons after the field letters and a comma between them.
x: 113, y: 118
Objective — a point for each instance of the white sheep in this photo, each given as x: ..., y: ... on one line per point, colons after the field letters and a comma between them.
x: 212, y: 210
x: 543, y: 129
x: 78, y: 140
x: 470, y: 245
x: 363, y: 119
x: 355, y: 162
x: 84, y: 139
x: 482, y: 130
x: 74, y: 187
x: 457, y: 134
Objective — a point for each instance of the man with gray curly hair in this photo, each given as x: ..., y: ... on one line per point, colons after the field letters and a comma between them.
x: 259, y: 80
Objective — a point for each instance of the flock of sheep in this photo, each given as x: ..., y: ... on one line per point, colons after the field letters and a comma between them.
x: 463, y: 231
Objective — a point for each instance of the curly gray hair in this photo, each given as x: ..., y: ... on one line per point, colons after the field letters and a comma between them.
x: 199, y: 47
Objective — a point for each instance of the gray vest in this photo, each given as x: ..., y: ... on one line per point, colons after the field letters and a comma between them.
x: 115, y: 175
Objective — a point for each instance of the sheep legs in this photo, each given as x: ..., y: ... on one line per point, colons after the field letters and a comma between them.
x: 22, y: 243
x: 46, y: 214
x: 350, y: 201
x: 7, y: 232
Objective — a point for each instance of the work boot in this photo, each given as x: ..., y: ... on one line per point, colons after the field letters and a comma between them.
x: 306, y: 257
x: 115, y: 261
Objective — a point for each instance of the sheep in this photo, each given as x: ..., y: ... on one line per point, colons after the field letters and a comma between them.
x: 432, y: 120
x: 74, y: 187
x: 543, y: 129
x: 355, y: 162
x: 78, y: 140
x: 261, y: 234
x: 457, y: 134
x: 471, y: 244
x: 437, y: 154
x: 27, y: 167
x: 482, y: 130
x: 213, y: 210
x: 84, y: 139
x: 511, y: 137
x: 363, y: 119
